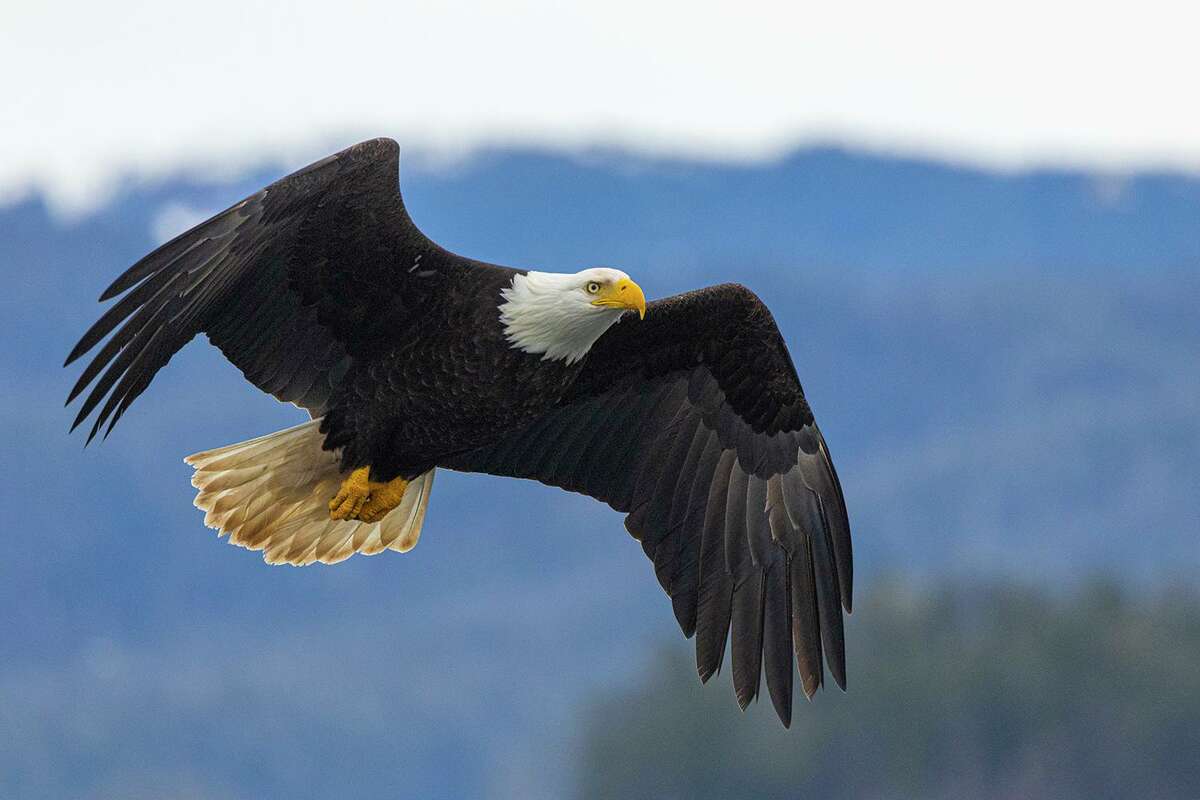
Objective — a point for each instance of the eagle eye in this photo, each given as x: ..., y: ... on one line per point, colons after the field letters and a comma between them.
x: 593, y: 287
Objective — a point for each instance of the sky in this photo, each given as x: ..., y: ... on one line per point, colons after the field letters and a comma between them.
x: 99, y: 92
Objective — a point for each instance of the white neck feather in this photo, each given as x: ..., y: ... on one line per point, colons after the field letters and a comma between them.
x: 544, y: 312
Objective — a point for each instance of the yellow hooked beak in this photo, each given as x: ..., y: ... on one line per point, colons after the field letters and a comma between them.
x: 622, y: 294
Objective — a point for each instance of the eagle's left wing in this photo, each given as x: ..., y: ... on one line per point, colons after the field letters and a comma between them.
x: 694, y: 423
x: 292, y: 283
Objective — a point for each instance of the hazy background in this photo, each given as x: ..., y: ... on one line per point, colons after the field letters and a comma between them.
x: 978, y: 232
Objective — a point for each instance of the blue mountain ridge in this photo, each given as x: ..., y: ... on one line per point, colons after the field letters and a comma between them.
x: 1004, y: 366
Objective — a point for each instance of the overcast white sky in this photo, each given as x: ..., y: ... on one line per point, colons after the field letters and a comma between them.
x: 93, y: 91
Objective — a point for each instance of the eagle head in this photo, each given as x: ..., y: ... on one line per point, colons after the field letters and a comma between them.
x: 561, y: 315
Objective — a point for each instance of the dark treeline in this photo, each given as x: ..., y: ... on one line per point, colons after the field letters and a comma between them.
x: 982, y: 692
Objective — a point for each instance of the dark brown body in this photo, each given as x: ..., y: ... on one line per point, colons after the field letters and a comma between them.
x: 458, y: 386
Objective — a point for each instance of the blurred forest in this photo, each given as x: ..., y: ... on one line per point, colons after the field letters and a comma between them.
x: 995, y: 691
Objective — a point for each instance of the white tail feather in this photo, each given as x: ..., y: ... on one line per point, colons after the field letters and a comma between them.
x: 272, y: 494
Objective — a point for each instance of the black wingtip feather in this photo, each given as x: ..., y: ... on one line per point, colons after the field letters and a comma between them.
x: 748, y: 606
x: 77, y: 389
x: 165, y: 255
x: 839, y: 521
x: 92, y: 432
x: 777, y: 639
x: 806, y: 628
x: 148, y: 264
x: 828, y: 598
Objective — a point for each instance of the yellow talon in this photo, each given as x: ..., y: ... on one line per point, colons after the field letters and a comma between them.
x: 352, y: 495
x: 384, y: 497
x: 363, y: 499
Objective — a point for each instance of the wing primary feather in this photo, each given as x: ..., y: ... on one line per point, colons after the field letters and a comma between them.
x: 806, y: 619
x: 143, y: 333
x: 806, y: 631
x: 832, y: 634
x: 747, y: 629
x: 777, y: 638
x: 650, y: 467
x: 134, y: 383
x: 715, y: 586
x: 129, y: 375
x: 809, y: 490
x: 758, y: 533
x: 685, y: 581
x: 748, y: 585
x: 662, y: 535
x: 144, y: 317
x: 167, y: 254
x: 145, y: 293
x: 680, y: 499
x: 736, y: 546
x: 156, y: 349
x: 163, y: 342
x: 839, y: 526
x: 124, y: 352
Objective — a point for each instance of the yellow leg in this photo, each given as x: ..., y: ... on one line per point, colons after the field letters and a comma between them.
x: 364, y: 499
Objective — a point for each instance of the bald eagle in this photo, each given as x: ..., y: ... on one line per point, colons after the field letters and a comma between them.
x: 685, y: 414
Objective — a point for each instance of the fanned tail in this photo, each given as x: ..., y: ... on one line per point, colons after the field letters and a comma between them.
x: 271, y: 494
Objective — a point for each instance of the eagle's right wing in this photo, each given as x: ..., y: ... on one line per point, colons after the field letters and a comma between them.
x: 693, y: 423
x: 318, y: 268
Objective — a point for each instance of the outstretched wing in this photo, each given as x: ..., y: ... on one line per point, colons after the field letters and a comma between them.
x: 293, y: 282
x: 694, y: 423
